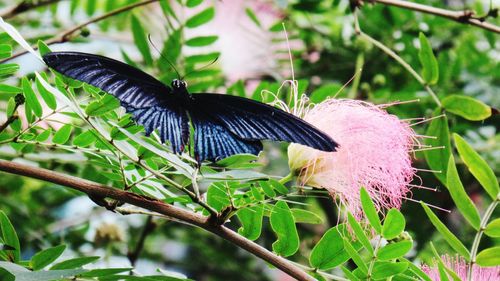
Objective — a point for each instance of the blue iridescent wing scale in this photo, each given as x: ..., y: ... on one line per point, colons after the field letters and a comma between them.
x: 147, y: 99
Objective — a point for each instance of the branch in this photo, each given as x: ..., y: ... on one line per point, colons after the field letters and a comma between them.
x: 149, y: 227
x: 397, y: 58
x: 96, y: 189
x: 66, y: 35
x: 465, y: 17
x: 25, y: 6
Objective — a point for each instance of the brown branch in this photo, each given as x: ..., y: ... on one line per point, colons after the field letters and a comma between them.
x: 96, y: 189
x: 25, y: 6
x: 67, y: 35
x: 465, y: 17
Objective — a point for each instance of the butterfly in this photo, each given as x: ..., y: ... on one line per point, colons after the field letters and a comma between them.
x: 223, y: 125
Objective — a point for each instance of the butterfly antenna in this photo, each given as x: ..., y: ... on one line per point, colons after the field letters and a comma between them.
x: 163, y: 57
x: 203, y: 67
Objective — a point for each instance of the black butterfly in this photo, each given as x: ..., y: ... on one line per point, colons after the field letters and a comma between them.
x: 223, y: 124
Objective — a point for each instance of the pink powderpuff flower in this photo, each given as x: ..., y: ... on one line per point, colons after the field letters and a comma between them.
x: 375, y: 153
x: 460, y: 267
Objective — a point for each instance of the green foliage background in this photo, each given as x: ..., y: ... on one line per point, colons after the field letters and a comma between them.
x: 459, y: 63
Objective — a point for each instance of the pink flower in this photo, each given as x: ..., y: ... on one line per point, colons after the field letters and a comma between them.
x: 460, y: 267
x: 375, y: 153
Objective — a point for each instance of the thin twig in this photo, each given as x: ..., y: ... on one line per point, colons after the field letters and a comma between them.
x: 466, y: 17
x: 397, y: 58
x: 25, y: 6
x: 149, y: 227
x: 66, y: 35
x: 96, y: 189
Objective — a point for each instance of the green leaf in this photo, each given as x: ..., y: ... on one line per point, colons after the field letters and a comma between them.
x: 8, y: 89
x: 447, y: 234
x: 31, y: 98
x: 74, y: 263
x: 140, y: 40
x: 359, y: 232
x: 394, y: 250
x: 11, y: 107
x: 45, y: 257
x: 43, y: 136
x: 43, y: 48
x: 489, y: 257
x: 278, y: 186
x: 329, y: 251
x: 9, y: 237
x: 251, y: 221
x: 253, y: 17
x: 238, y: 161
x: 370, y: 210
x: 385, y: 269
x: 201, y: 18
x: 430, y: 69
x: 349, y: 274
x: 437, y: 159
x: 62, y: 135
x: 8, y: 69
x: 193, y: 3
x: 466, y: 107
x: 202, y: 58
x: 356, y: 258
x: 84, y: 139
x: 47, y: 96
x: 493, y: 228
x: 201, y: 41
x: 267, y: 188
x: 305, y: 216
x: 104, y: 105
x: 394, y: 224
x: 460, y: 197
x: 283, y: 225
x: 217, y: 197
x: 417, y: 271
x: 477, y: 167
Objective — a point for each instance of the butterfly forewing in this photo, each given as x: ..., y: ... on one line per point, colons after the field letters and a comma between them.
x: 147, y: 99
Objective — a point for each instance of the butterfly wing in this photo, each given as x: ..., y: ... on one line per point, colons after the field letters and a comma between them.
x: 147, y: 99
x: 212, y: 141
x: 251, y: 120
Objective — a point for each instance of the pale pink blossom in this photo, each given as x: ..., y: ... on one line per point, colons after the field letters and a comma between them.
x: 375, y: 153
x: 460, y: 267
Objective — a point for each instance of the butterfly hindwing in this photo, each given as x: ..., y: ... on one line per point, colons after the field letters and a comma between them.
x: 252, y: 120
x: 147, y: 99
x: 212, y: 141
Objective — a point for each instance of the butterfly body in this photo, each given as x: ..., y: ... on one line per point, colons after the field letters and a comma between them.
x: 223, y: 125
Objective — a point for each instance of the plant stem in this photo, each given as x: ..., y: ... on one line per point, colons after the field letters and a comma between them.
x: 149, y: 227
x: 477, y: 238
x: 360, y: 60
x: 287, y: 178
x: 25, y: 6
x: 465, y: 17
x: 372, y: 262
x: 397, y: 58
x: 19, y: 99
x: 96, y: 189
x: 66, y: 35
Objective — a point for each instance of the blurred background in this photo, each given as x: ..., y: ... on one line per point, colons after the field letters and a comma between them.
x: 248, y: 39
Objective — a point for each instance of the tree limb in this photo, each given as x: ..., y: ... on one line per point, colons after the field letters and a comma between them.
x: 66, y: 35
x: 96, y: 189
x: 465, y: 17
x: 25, y: 6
